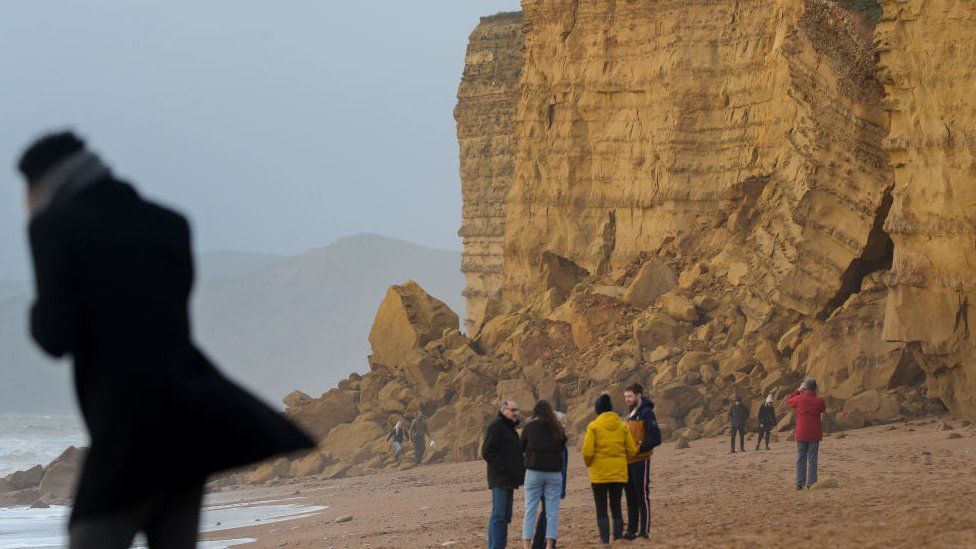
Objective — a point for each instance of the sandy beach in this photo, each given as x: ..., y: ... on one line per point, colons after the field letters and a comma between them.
x: 902, y: 485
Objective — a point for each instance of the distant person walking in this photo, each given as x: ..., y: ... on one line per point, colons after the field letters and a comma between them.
x: 113, y: 275
x: 642, y: 424
x: 418, y: 437
x: 737, y: 421
x: 397, y: 434
x: 543, y: 443
x: 607, y: 447
x: 540, y: 528
x: 502, y: 450
x: 767, y: 420
x: 808, y: 432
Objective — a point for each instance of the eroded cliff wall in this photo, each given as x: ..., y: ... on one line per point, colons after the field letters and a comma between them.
x: 485, y: 115
x: 739, y: 132
x: 928, y: 55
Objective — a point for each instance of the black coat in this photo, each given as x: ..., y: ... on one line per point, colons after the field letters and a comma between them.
x: 543, y: 452
x: 767, y: 416
x: 502, y: 451
x: 114, y: 273
x: 738, y: 416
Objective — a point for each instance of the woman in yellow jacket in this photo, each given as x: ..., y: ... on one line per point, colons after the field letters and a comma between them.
x: 607, y: 447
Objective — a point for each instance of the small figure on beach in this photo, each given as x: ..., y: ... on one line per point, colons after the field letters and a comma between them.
x: 418, y: 437
x: 643, y: 426
x: 113, y: 275
x: 737, y: 422
x: 397, y: 434
x: 767, y: 420
x: 607, y: 448
x: 502, y: 450
x: 808, y: 431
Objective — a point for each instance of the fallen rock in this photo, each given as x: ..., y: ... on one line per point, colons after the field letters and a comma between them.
x: 681, y: 443
x: 945, y: 426
x: 39, y: 504
x: 295, y: 400
x: 324, y: 413
x: 518, y: 390
x: 343, y: 518
x: 653, y: 280
x: 679, y: 307
x: 27, y: 478
x: 60, y: 479
x: 312, y: 464
x: 408, y: 319
x: 953, y: 436
x: 654, y: 330
x: 270, y: 470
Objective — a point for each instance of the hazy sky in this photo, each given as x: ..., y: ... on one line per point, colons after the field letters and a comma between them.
x: 277, y: 126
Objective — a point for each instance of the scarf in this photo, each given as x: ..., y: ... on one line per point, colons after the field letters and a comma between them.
x: 66, y: 178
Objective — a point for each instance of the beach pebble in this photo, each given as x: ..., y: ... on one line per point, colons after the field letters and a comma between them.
x: 343, y: 518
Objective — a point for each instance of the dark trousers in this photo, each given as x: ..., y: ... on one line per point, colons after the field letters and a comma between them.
x: 639, y: 497
x: 742, y: 438
x: 418, y: 450
x: 764, y: 432
x: 502, y: 500
x: 170, y: 521
x: 603, y: 494
x: 539, y: 541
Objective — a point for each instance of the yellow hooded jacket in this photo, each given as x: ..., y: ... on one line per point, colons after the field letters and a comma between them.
x: 607, y: 447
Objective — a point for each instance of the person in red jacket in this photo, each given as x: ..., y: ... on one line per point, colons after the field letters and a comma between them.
x: 808, y: 432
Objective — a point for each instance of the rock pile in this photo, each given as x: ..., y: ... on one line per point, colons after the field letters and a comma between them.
x: 41, y: 486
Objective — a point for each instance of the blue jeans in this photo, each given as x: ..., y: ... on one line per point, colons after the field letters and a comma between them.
x: 806, y: 457
x: 501, y: 515
x: 539, y: 485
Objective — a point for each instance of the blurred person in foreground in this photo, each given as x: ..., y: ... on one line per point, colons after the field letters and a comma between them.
x: 113, y: 274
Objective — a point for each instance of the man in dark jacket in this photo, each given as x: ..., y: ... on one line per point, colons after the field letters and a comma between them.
x: 502, y: 450
x: 737, y: 420
x: 113, y: 275
x: 643, y: 426
x: 418, y: 437
x: 767, y: 420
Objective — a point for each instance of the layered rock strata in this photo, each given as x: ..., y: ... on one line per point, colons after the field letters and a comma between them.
x: 485, y: 115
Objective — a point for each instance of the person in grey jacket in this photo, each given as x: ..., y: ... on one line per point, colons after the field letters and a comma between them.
x: 737, y: 420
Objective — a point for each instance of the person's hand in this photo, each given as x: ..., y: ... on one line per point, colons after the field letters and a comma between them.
x: 802, y: 387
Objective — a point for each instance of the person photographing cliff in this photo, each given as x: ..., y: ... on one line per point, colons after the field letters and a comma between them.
x: 113, y: 275
x: 808, y: 431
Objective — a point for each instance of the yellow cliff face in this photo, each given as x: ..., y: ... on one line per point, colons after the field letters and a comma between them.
x: 928, y: 58
x: 739, y: 132
x: 485, y: 114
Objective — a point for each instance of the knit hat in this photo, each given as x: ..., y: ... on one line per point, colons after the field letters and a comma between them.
x: 46, y: 152
x: 811, y: 384
x: 769, y: 399
x: 603, y: 404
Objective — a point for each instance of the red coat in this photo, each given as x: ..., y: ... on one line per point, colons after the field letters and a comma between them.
x: 808, y: 409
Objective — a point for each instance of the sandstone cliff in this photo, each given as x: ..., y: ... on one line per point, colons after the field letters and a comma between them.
x: 485, y: 114
x: 714, y: 199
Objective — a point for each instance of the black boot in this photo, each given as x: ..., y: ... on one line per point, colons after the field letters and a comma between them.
x: 618, y: 529
x: 604, y: 525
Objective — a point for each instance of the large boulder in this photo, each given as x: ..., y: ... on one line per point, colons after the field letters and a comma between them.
x: 560, y: 275
x: 591, y: 316
x: 270, y: 470
x: 653, y: 280
x: 408, y: 318
x: 518, y: 390
x: 28, y: 478
x: 678, y: 307
x: 355, y: 442
x: 295, y: 400
x: 653, y: 329
x: 312, y: 464
x: 322, y: 414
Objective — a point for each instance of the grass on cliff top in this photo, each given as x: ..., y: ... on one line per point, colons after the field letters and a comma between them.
x: 869, y: 7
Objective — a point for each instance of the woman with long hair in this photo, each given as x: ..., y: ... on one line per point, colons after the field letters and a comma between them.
x: 543, y: 441
x: 607, y: 447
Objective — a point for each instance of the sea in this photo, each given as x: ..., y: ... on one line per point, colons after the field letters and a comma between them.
x: 27, y: 440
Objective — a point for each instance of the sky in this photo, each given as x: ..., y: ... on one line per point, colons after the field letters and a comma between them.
x: 275, y: 126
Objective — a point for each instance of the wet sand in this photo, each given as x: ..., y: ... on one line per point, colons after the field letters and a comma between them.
x: 902, y: 485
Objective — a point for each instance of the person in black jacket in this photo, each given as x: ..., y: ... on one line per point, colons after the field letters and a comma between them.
x: 642, y: 424
x: 767, y: 420
x: 543, y: 442
x: 539, y: 542
x: 113, y: 274
x: 502, y: 451
x: 737, y: 420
